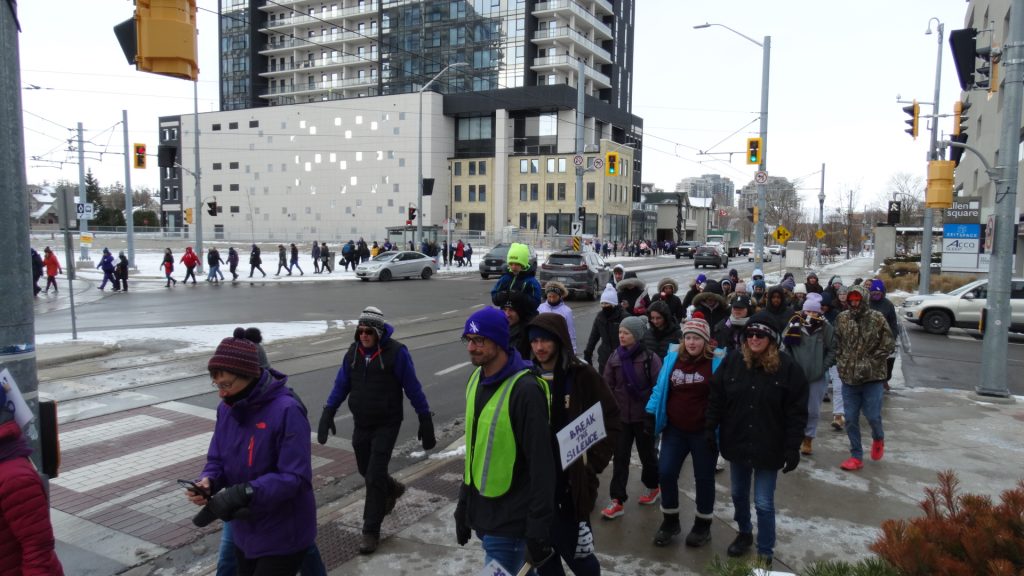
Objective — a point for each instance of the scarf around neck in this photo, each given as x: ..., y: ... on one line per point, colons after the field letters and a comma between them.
x: 627, y: 355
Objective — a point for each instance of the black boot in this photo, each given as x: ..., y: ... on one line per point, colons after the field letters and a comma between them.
x: 700, y: 534
x: 397, y: 489
x: 741, y: 545
x: 669, y: 528
x: 369, y: 543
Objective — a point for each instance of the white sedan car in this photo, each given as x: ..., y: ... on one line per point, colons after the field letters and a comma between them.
x: 405, y: 264
x: 766, y: 255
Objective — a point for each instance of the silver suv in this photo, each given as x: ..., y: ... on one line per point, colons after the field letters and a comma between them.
x: 962, y: 307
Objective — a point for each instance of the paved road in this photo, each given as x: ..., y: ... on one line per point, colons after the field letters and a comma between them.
x: 954, y: 360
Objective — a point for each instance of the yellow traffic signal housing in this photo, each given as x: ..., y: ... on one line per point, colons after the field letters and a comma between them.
x: 188, y: 215
x: 139, y: 158
x: 940, y: 184
x: 915, y: 113
x: 960, y: 108
x: 164, y: 36
x: 757, y: 215
x: 611, y: 163
x: 754, y: 151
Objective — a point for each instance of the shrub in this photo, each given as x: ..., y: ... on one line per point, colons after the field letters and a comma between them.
x: 959, y: 534
x: 906, y: 277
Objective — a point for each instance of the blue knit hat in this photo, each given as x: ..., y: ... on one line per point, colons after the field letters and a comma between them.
x: 490, y: 323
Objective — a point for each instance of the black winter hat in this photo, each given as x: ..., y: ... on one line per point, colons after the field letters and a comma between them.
x: 713, y: 287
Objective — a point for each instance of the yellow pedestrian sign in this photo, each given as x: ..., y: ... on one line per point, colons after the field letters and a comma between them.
x: 820, y: 233
x: 781, y: 234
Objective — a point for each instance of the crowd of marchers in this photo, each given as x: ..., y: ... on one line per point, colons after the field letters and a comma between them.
x: 733, y: 373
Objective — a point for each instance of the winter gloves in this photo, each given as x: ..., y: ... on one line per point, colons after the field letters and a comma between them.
x: 228, y: 504
x: 462, y: 529
x: 425, y: 434
x: 326, y: 424
x: 792, y: 460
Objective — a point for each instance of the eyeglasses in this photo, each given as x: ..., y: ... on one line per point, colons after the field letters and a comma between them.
x: 757, y: 335
x: 474, y: 341
x: 219, y: 386
x: 367, y: 331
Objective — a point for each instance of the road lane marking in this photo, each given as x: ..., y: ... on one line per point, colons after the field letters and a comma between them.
x: 451, y: 369
x: 449, y: 312
x: 422, y: 318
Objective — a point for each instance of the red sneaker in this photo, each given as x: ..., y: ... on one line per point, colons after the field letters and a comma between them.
x: 852, y: 464
x: 877, y: 449
x: 649, y: 496
x: 613, y: 510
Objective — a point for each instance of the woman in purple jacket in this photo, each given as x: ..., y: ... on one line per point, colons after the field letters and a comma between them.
x: 258, y: 468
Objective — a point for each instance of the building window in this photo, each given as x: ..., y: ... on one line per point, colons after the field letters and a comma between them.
x: 561, y: 165
x: 472, y: 168
x: 483, y: 167
x: 233, y: 165
x: 478, y: 128
x: 216, y: 166
x: 254, y: 123
x: 458, y: 193
x: 217, y: 187
x: 534, y: 192
x: 561, y: 190
x: 591, y: 191
x: 551, y: 165
x: 549, y: 192
x: 533, y: 220
x: 215, y: 127
x: 472, y: 192
x: 232, y: 125
x: 234, y: 210
x: 458, y: 168
x: 483, y: 193
x: 524, y: 166
x: 233, y: 187
x: 523, y: 219
x: 523, y: 194
x: 534, y: 166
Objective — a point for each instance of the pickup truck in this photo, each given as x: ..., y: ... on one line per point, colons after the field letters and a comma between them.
x: 729, y: 240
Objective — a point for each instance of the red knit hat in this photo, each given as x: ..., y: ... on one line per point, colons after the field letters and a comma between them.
x: 237, y: 356
x: 699, y: 326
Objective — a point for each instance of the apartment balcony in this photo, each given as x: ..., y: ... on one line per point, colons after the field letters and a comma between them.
x: 322, y: 64
x: 314, y: 88
x: 330, y: 16
x: 567, y: 65
x: 584, y: 44
x: 566, y: 7
x: 606, y: 6
x: 329, y: 41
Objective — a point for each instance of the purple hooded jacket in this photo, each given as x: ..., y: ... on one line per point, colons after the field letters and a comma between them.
x: 264, y: 439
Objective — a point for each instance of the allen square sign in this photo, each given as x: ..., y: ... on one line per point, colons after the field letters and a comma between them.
x: 963, y: 237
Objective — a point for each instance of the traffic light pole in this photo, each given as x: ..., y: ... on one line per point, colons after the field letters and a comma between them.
x: 83, y: 224
x: 994, y: 345
x: 128, y: 208
x: 580, y: 99
x: 198, y: 211
x: 925, y: 276
x: 762, y: 188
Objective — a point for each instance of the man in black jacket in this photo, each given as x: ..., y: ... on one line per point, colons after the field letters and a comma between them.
x: 575, y: 387
x: 375, y: 372
x: 759, y: 406
x: 605, y: 329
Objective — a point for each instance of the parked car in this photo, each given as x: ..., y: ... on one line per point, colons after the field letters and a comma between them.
x: 710, y: 256
x: 962, y: 307
x: 777, y: 249
x: 580, y: 272
x: 766, y: 254
x: 404, y: 264
x: 746, y: 248
x: 493, y: 263
x: 685, y: 249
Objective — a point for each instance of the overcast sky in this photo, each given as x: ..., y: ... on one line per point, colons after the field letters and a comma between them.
x: 836, y: 69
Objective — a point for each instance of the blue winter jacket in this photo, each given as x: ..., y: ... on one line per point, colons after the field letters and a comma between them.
x: 525, y: 282
x: 107, y: 262
x: 658, y: 403
x: 264, y: 439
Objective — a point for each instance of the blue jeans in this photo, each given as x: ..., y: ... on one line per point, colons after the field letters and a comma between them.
x: 676, y: 445
x: 227, y: 564
x: 816, y: 393
x: 866, y: 398
x: 509, y: 552
x: 764, y: 503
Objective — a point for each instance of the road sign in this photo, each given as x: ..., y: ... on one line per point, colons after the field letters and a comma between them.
x: 84, y: 211
x: 760, y: 177
x: 577, y: 243
x: 578, y: 160
x: 598, y: 163
x: 577, y: 228
x: 552, y: 230
x: 820, y: 234
x: 781, y: 234
x: 85, y: 239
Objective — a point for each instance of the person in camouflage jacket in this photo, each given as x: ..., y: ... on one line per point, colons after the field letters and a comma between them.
x: 864, y: 343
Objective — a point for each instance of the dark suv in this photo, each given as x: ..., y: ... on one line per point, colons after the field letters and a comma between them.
x: 580, y: 272
x: 493, y: 263
x: 710, y: 256
x: 685, y: 249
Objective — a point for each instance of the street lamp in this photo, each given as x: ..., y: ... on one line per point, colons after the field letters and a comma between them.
x: 766, y: 49
x: 933, y: 154
x: 821, y: 215
x: 419, y: 154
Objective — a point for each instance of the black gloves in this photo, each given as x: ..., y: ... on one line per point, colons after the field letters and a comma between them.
x: 227, y: 505
x: 649, y: 423
x: 538, y: 551
x: 792, y: 460
x: 326, y: 423
x: 462, y: 529
x: 426, y: 431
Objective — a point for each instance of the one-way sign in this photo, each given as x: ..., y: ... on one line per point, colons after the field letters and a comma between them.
x: 84, y: 211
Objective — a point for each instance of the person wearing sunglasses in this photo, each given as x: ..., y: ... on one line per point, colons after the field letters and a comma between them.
x: 374, y: 373
x: 758, y: 403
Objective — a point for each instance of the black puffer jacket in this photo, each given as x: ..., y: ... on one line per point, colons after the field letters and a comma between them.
x: 713, y: 315
x: 660, y: 341
x: 760, y: 416
x: 605, y: 330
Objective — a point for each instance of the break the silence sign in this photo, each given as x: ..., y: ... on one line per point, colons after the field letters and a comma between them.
x: 580, y: 434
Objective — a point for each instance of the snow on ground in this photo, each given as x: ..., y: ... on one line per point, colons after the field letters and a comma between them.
x: 198, y: 338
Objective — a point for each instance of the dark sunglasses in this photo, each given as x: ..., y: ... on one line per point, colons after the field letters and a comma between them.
x: 757, y: 334
x: 367, y: 331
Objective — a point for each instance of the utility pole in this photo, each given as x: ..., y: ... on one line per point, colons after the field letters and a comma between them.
x: 849, y: 226
x: 580, y: 101
x: 128, y: 208
x: 17, y: 316
x: 83, y: 224
x: 198, y: 211
x: 762, y: 188
x: 997, y: 304
x: 821, y: 210
x: 933, y: 154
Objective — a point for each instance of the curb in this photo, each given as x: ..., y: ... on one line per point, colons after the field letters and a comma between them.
x: 88, y: 350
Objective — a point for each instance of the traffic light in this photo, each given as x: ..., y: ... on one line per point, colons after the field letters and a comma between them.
x: 894, y: 213
x: 412, y: 213
x: 757, y: 216
x: 965, y: 53
x: 581, y: 213
x: 611, y: 164
x: 211, y: 208
x: 750, y: 214
x: 188, y: 215
x: 139, y: 158
x: 754, y: 151
x: 986, y: 76
x: 915, y: 114
x: 940, y: 184
x: 161, y: 38
x: 960, y: 109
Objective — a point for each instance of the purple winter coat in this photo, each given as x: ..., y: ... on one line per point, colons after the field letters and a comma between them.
x: 264, y: 439
x: 632, y: 408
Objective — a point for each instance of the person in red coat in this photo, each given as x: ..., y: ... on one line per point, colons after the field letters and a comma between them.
x: 26, y: 535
